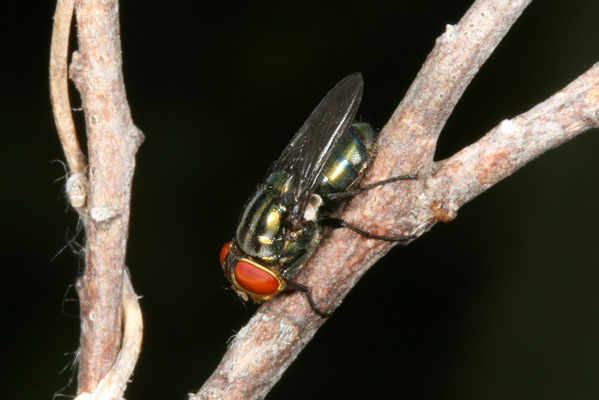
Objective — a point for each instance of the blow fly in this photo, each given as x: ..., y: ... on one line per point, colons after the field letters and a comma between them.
x: 281, y: 223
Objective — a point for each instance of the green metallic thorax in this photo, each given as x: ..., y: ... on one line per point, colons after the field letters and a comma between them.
x: 263, y: 232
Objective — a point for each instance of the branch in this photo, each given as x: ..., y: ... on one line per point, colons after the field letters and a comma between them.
x: 275, y: 335
x: 113, y: 385
x: 513, y: 143
x: 113, y: 141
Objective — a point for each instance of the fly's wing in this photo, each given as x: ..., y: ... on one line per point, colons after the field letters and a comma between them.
x: 306, y: 154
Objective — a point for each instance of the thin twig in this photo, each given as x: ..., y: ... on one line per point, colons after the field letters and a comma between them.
x: 59, y: 93
x: 266, y: 346
x: 76, y: 186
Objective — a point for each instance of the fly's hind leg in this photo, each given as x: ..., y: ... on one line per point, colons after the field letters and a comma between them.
x: 353, y: 192
x: 339, y: 223
x: 336, y: 223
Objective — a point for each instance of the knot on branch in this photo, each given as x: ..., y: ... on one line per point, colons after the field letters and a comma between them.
x: 137, y: 135
x: 103, y: 214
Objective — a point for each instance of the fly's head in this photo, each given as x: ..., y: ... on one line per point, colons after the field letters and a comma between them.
x: 249, y: 278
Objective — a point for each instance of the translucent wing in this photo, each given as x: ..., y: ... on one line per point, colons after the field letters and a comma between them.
x: 306, y: 154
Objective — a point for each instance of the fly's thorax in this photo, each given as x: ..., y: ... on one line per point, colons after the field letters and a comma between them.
x: 298, y: 246
x: 348, y: 160
x: 261, y: 230
x: 264, y: 232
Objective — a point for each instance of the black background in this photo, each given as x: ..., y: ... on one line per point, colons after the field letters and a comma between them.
x: 501, y: 303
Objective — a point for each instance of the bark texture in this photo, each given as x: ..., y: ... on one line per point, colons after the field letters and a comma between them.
x: 96, y: 69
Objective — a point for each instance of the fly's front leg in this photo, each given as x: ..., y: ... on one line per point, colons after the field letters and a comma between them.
x: 293, y: 285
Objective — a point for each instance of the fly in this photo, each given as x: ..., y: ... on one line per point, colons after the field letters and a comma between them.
x: 281, y: 223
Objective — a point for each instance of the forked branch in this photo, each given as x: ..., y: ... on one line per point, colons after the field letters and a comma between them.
x: 513, y: 143
x: 275, y: 335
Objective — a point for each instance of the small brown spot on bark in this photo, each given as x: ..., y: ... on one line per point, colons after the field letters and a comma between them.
x: 441, y: 213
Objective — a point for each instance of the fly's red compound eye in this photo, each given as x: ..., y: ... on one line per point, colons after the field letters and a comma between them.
x: 255, y: 279
x: 223, y: 253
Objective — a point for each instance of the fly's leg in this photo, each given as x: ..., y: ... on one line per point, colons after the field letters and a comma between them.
x: 336, y: 223
x: 339, y: 223
x: 293, y: 285
x: 353, y: 192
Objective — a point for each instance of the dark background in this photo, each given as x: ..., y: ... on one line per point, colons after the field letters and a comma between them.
x: 501, y: 303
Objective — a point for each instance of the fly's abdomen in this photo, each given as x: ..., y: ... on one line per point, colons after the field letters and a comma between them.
x: 348, y: 160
